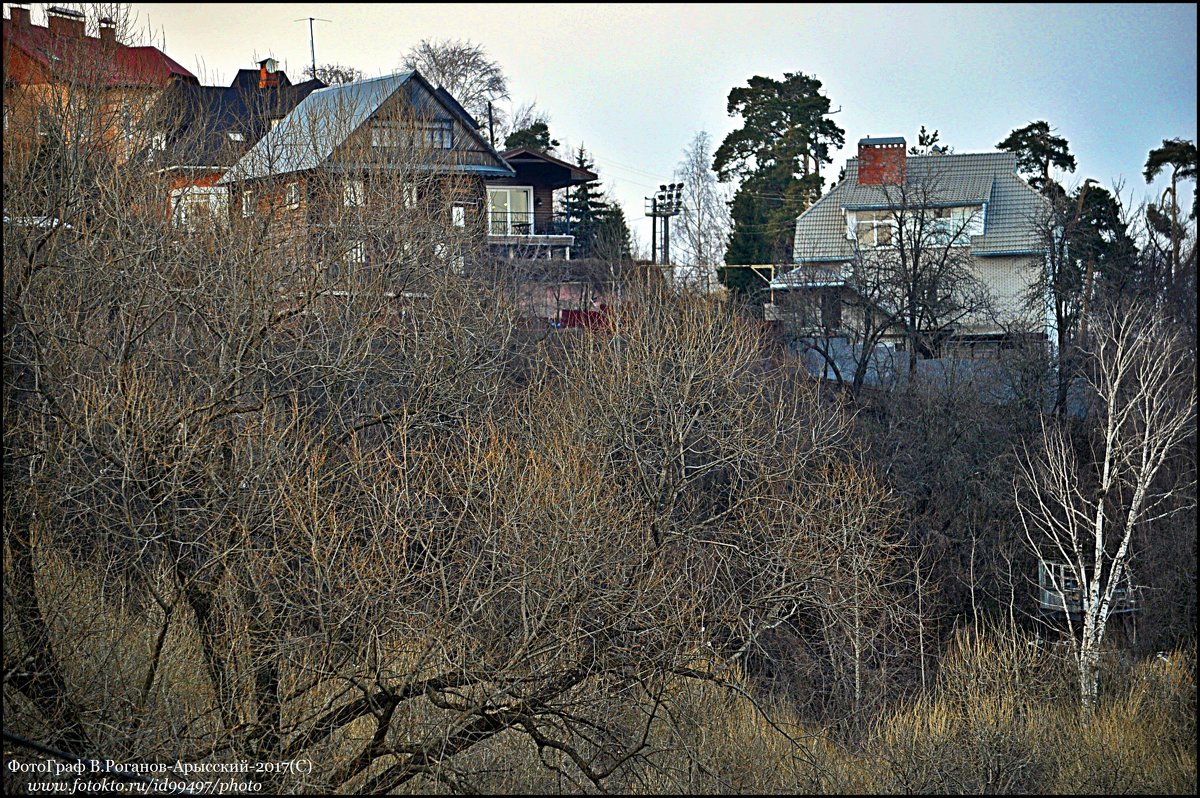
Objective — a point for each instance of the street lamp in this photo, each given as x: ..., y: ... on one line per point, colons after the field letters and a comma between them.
x: 666, y: 202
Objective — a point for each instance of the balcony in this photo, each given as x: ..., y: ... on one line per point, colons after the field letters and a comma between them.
x: 524, y: 234
x: 526, y: 224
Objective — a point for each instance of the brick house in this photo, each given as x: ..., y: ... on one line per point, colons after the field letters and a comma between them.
x: 201, y: 131
x: 60, y: 82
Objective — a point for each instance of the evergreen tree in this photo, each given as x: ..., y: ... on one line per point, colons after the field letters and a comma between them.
x: 612, y: 240
x: 535, y: 137
x: 1100, y: 239
x: 927, y: 144
x: 1037, y: 149
x: 585, y: 209
x: 786, y: 135
x: 1180, y: 155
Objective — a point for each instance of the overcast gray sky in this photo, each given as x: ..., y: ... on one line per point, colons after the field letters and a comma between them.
x: 634, y: 83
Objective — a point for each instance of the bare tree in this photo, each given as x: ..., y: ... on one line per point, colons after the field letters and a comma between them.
x: 1081, y: 504
x: 911, y: 280
x: 333, y: 74
x: 287, y: 482
x: 464, y: 69
x: 704, y: 222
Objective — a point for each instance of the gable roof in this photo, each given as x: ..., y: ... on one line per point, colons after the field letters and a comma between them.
x: 91, y: 60
x: 203, y: 117
x: 325, y: 119
x: 989, y: 179
x: 554, y: 172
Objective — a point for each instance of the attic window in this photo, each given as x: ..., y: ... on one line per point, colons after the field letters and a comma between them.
x: 439, y: 134
x: 234, y: 136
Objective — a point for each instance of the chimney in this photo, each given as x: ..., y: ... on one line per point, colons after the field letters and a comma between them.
x: 268, y: 73
x: 108, y: 31
x: 19, y: 16
x: 65, y: 22
x: 881, y: 161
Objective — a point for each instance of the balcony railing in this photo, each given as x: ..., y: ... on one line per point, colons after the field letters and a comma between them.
x: 525, y: 223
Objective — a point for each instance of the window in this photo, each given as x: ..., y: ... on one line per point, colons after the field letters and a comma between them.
x: 196, y: 207
x: 293, y: 195
x: 356, y: 255
x: 385, y: 134
x: 352, y: 193
x: 408, y: 195
x: 127, y: 120
x: 247, y: 203
x: 955, y: 226
x: 510, y: 210
x: 873, y: 228
x: 458, y: 216
x: 438, y: 134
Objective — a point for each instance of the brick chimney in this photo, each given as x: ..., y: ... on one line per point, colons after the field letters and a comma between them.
x: 108, y: 31
x: 881, y: 161
x: 19, y: 16
x: 268, y: 73
x: 65, y: 22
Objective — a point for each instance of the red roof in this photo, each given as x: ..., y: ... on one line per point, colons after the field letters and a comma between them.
x: 88, y: 58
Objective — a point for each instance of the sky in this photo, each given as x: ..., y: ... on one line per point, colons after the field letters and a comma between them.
x: 634, y: 83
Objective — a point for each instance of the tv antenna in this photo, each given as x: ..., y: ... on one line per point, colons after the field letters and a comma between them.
x: 312, y: 44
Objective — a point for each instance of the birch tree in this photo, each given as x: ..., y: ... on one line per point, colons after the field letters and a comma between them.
x: 1081, y: 506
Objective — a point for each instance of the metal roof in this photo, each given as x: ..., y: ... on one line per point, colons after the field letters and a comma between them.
x: 971, y: 179
x: 90, y: 60
x: 306, y: 137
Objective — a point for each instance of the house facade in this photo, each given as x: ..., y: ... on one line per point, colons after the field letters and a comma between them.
x: 353, y: 164
x: 522, y: 222
x: 201, y: 131
x: 92, y: 91
x: 962, y: 231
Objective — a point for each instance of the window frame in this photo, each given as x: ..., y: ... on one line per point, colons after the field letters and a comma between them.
x: 508, y: 226
x: 354, y: 192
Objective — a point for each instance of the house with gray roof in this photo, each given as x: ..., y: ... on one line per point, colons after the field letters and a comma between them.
x: 200, y: 131
x: 962, y: 218
x: 349, y: 161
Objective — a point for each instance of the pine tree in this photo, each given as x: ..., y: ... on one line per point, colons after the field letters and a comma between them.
x: 1037, y: 149
x: 786, y: 135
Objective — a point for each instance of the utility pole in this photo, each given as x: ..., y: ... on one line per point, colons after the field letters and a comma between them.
x: 312, y: 42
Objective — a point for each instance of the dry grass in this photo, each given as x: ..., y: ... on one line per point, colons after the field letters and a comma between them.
x: 1003, y: 718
